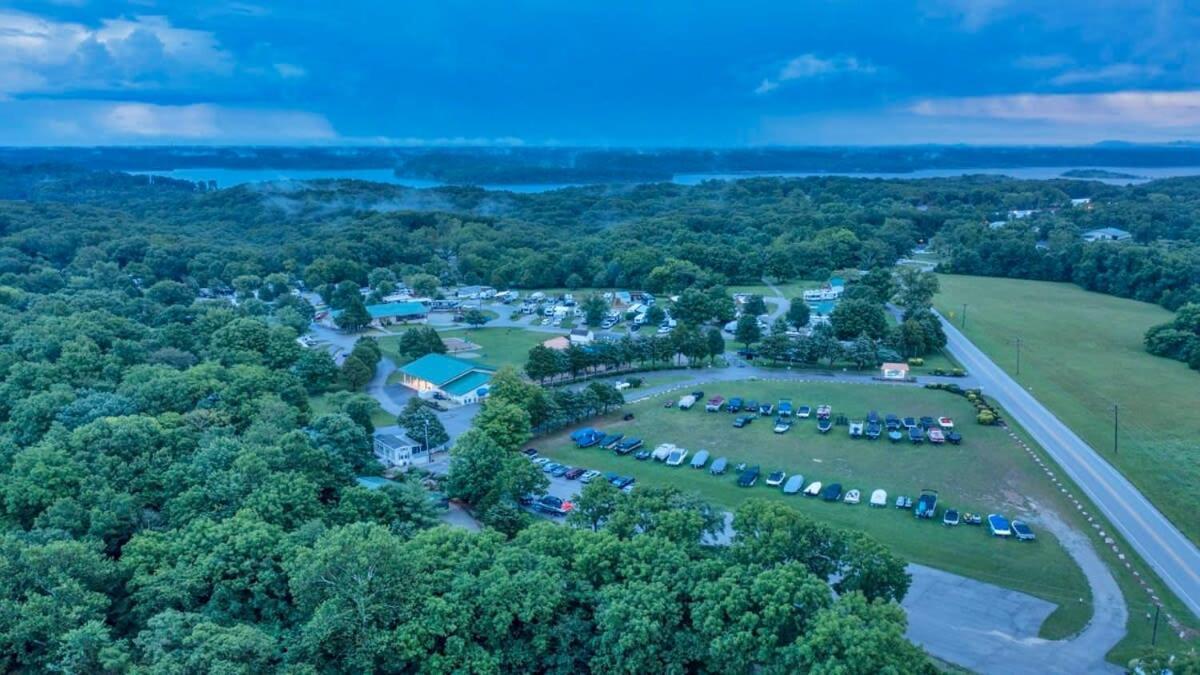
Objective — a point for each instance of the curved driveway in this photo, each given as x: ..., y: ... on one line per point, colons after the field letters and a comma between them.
x: 1168, y: 552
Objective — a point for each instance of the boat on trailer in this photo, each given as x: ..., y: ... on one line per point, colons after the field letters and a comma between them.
x: 856, y: 429
x: 824, y: 425
x: 936, y: 436
x: 926, y: 504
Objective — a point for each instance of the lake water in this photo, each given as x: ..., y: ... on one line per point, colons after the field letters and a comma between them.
x: 231, y: 177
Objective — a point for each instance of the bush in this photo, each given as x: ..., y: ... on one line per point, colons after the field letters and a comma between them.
x: 958, y: 372
x: 986, y: 417
x: 916, y: 361
x: 634, y: 382
x: 938, y: 371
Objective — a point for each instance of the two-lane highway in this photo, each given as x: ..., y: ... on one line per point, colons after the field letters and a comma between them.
x: 1172, y: 555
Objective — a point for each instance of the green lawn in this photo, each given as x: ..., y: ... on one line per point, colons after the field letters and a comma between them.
x: 1082, y: 353
x: 379, y: 417
x: 987, y: 473
x: 498, y: 346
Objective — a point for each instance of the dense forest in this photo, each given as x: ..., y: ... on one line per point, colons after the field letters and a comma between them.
x: 171, y: 502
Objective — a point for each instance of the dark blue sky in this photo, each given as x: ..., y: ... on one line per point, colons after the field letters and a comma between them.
x: 597, y: 73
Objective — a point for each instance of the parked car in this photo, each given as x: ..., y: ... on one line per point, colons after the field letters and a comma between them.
x: 551, y: 467
x: 735, y: 404
x: 588, y: 476
x: 741, y: 421
x: 530, y: 452
x: 541, y: 461
x: 624, y: 482
x: 573, y: 474
x: 554, y: 506
x: 560, y: 471
x: 748, y: 477
x: 714, y: 404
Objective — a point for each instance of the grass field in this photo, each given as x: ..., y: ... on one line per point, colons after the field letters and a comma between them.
x: 379, y: 416
x: 987, y: 473
x: 1082, y: 353
x: 498, y: 346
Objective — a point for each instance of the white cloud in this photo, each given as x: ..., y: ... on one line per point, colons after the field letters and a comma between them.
x: 290, y: 71
x: 43, y: 56
x: 1116, y: 72
x: 1161, y: 109
x: 1043, y: 61
x: 88, y: 122
x: 809, y: 66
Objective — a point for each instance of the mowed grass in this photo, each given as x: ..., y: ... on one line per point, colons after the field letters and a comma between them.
x: 498, y: 346
x: 1082, y: 354
x: 987, y: 473
x: 320, y: 406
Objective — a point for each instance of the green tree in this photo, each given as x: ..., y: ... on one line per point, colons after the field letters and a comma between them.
x: 595, y: 504
x: 747, y: 331
x: 506, y: 424
x: 655, y: 315
x: 693, y: 307
x: 475, y: 318
x: 422, y: 424
x: 852, y: 318
x: 857, y: 636
x: 754, y: 305
x: 917, y: 288
x: 798, y: 313
x: 594, y: 310
x: 716, y: 343
x: 354, y: 316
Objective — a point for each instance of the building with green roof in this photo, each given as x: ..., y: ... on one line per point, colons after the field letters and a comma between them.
x: 457, y: 379
x: 392, y: 312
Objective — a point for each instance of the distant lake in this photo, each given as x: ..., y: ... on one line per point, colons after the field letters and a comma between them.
x: 231, y: 177
x: 1029, y: 173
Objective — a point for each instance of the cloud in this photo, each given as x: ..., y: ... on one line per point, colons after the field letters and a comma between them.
x: 41, y: 56
x: 972, y: 15
x: 91, y: 122
x: 1117, y: 72
x: 810, y: 66
x: 1043, y: 61
x: 290, y: 71
x: 1161, y: 109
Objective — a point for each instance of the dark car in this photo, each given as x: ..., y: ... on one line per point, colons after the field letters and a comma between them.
x: 748, y: 477
x: 627, y: 417
x: 573, y: 474
x: 560, y: 471
x: 751, y: 407
x: 624, y: 481
x: 530, y: 452
x: 699, y: 394
x: 628, y: 445
x: 553, y: 505
x: 734, y: 405
x: 610, y: 440
x: 642, y: 455
x: 741, y: 421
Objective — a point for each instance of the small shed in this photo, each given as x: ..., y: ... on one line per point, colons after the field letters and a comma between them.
x: 894, y: 371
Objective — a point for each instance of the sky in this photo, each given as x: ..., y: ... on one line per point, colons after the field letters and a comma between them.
x: 613, y: 73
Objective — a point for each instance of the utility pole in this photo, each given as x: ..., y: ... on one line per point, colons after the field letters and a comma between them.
x: 425, y: 441
x: 1018, y: 356
x: 964, y: 316
x: 1154, y: 634
x: 1116, y: 425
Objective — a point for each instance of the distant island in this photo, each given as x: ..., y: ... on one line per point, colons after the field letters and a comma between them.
x: 1098, y: 173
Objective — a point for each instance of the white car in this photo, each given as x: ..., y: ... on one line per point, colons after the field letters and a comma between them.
x: 677, y: 456
x: 539, y: 461
x: 589, y: 476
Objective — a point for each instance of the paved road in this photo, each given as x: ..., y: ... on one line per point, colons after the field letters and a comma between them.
x: 1175, y: 558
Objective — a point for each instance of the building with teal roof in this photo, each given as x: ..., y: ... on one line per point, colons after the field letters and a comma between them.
x: 393, y: 312
x: 456, y: 379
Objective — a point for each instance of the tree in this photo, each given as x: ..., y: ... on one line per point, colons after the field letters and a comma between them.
x: 917, y: 288
x: 882, y: 283
x: 747, y: 331
x: 716, y: 343
x: 655, y: 315
x: 505, y: 424
x: 857, y: 636
x: 424, y: 285
x: 484, y: 474
x: 595, y: 504
x: 422, y: 424
x: 475, y: 318
x: 419, y: 341
x: 594, y: 310
x: 693, y: 307
x: 355, y: 373
x: 754, y: 305
x: 798, y: 313
x: 852, y: 318
x: 316, y: 369
x: 870, y: 568
x: 543, y: 363
x: 863, y: 352
x: 354, y: 316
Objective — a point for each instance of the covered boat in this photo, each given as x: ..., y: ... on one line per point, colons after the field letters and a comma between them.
x: 793, y: 485
x: 856, y: 429
x: 951, y: 517
x: 916, y: 435
x: 700, y: 459
x: 879, y: 498
x: 926, y: 504
x: 832, y: 492
x: 852, y: 497
x: 936, y: 436
x: 824, y: 424
x: 873, y: 430
x: 824, y: 411
x: 999, y: 525
x: 718, y: 466
x: 895, y: 436
x: 813, y: 489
